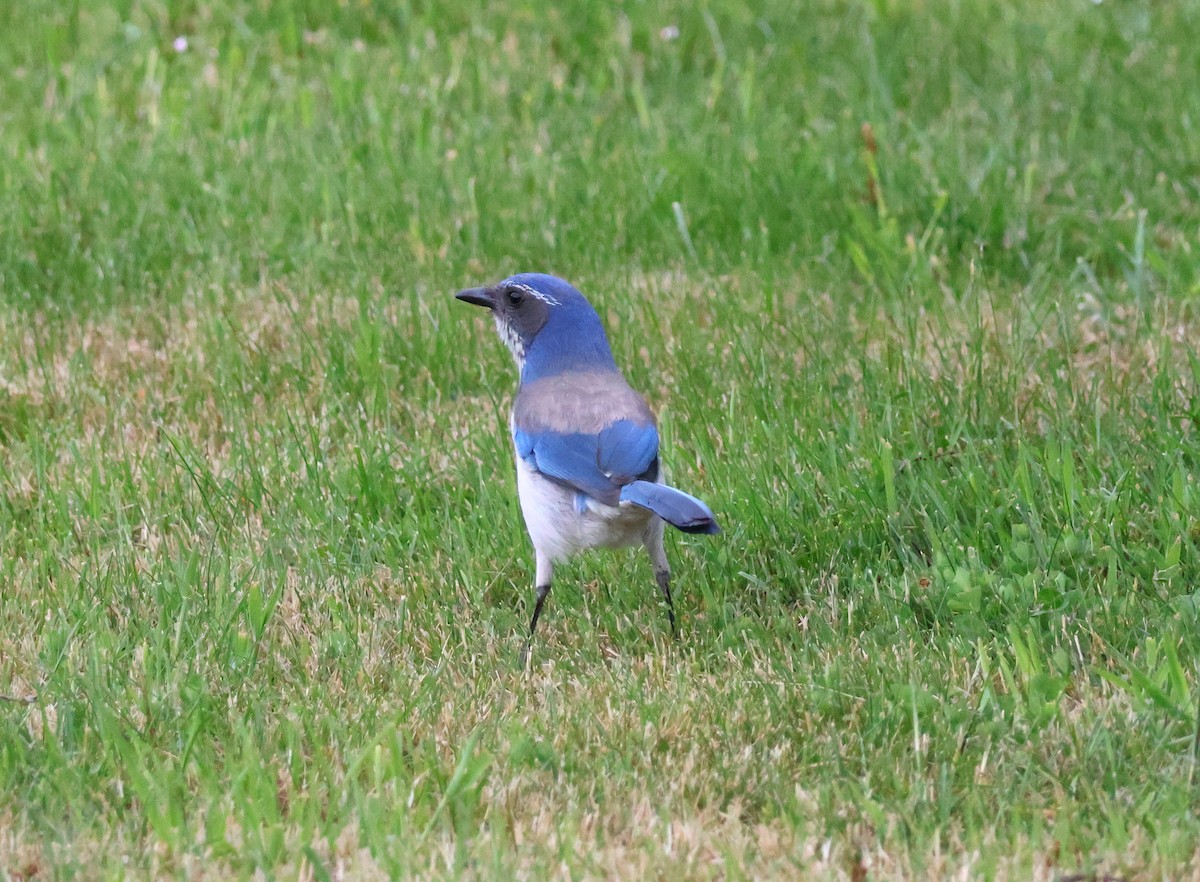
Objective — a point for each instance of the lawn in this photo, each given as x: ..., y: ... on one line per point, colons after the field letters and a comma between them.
x: 913, y: 286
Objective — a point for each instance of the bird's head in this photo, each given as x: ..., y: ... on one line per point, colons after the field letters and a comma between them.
x: 547, y: 325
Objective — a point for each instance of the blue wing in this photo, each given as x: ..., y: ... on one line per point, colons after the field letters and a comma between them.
x: 626, y: 450
x: 598, y: 465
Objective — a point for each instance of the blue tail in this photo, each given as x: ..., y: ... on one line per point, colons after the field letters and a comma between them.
x: 674, y: 506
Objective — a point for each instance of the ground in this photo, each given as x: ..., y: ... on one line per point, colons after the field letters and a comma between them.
x: 912, y: 286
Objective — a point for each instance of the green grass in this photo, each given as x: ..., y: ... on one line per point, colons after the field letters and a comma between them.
x: 913, y: 286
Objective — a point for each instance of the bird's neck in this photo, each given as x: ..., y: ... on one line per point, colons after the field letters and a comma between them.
x: 550, y: 355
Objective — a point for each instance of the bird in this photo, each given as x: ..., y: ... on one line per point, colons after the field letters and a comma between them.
x: 586, y: 444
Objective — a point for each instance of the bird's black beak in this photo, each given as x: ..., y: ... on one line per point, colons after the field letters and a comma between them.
x: 478, y: 296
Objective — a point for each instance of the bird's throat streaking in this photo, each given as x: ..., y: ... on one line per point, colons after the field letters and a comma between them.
x: 512, y: 340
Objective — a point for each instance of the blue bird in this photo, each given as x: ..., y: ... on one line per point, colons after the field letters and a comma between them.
x: 586, y: 444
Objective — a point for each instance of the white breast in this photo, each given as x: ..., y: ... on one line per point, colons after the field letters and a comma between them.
x: 559, y: 529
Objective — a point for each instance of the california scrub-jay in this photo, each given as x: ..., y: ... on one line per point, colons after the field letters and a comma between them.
x: 586, y: 444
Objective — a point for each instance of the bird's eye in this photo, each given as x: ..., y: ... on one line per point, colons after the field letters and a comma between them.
x: 515, y: 296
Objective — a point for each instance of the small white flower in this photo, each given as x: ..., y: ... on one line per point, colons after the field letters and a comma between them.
x: 669, y: 33
x: 180, y: 44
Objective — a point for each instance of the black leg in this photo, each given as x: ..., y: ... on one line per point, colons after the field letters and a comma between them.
x: 543, y: 591
x: 663, y: 577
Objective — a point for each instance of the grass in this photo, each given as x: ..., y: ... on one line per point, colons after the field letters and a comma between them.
x: 913, y: 286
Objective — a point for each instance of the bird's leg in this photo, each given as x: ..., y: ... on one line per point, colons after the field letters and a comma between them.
x: 543, y: 591
x: 662, y: 569
x: 663, y: 577
x: 545, y: 572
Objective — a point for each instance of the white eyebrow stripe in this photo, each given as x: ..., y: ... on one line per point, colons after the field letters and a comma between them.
x: 532, y: 292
